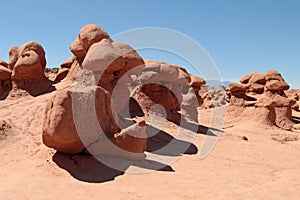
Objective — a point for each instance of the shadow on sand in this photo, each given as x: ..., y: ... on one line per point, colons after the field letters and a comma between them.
x: 86, y: 168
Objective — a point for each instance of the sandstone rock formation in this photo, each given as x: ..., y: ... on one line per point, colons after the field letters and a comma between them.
x: 124, y: 86
x: 266, y: 93
x: 59, y: 129
x: 213, y: 97
x: 25, y: 70
x: 294, y: 94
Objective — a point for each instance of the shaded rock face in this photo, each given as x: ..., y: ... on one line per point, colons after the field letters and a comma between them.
x: 5, y: 81
x: 125, y: 87
x: 171, y: 87
x: 264, y: 92
x: 13, y: 56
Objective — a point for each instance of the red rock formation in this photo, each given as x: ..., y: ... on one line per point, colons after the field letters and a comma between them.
x: 118, y: 76
x: 5, y: 81
x: 28, y: 69
x: 3, y: 63
x: 265, y: 91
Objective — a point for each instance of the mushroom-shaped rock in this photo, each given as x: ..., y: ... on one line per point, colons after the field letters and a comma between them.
x: 268, y: 98
x: 197, y: 82
x: 90, y: 34
x: 28, y: 71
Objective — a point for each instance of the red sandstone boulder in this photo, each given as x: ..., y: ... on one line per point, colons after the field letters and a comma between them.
x: 90, y: 34
x: 60, y: 129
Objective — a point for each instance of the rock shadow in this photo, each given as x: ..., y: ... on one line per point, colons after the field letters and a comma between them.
x: 88, y: 169
x: 162, y: 143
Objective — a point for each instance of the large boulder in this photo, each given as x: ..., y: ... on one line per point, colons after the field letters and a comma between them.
x: 60, y: 129
x: 72, y: 119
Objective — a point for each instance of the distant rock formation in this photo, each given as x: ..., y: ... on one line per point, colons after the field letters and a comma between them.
x: 265, y: 93
x: 213, y: 97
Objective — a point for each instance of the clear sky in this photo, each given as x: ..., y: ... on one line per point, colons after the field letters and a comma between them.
x: 240, y: 35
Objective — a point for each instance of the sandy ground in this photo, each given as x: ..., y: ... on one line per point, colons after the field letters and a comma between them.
x: 248, y: 162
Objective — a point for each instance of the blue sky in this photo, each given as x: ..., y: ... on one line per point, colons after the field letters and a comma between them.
x: 241, y: 36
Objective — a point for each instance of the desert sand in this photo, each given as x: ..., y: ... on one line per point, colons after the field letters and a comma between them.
x: 266, y: 166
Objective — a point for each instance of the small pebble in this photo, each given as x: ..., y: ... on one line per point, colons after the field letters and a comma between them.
x: 244, y: 138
